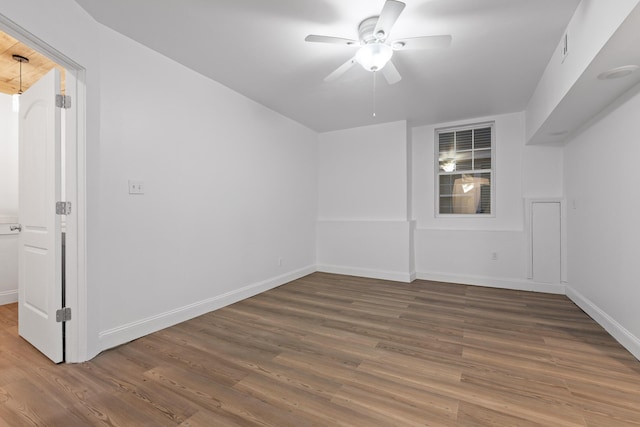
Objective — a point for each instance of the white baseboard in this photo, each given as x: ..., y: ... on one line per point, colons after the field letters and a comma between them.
x: 616, y: 330
x: 397, y: 276
x: 495, y: 282
x: 8, y: 297
x: 134, y: 330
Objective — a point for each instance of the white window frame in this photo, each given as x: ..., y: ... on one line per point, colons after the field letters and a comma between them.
x: 491, y: 171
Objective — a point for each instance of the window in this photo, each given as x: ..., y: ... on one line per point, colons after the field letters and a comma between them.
x: 465, y: 170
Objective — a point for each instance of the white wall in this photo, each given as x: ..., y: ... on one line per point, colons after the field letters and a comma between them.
x: 603, y: 230
x: 8, y: 160
x: 363, y: 226
x: 362, y: 173
x: 230, y: 193
x: 461, y: 249
x: 8, y: 200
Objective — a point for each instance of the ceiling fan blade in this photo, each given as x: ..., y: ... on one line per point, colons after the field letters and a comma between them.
x: 389, y: 15
x: 391, y: 74
x: 425, y: 42
x: 340, y: 70
x: 329, y: 39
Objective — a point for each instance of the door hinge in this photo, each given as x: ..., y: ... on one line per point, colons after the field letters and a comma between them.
x: 63, y: 315
x: 63, y: 101
x: 63, y: 208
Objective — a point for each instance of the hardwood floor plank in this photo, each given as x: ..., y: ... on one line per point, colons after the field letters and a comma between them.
x: 25, y: 402
x: 474, y: 415
x: 220, y: 398
x: 414, y: 371
x: 301, y: 403
x: 601, y: 395
x: 520, y: 398
x: 206, y: 418
x: 318, y: 365
x: 435, y: 404
x: 382, y: 408
x: 137, y: 392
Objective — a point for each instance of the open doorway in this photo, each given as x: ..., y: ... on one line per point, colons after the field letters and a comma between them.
x: 21, y: 67
x: 41, y: 56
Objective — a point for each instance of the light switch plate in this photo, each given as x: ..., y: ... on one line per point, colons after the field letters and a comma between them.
x: 136, y: 187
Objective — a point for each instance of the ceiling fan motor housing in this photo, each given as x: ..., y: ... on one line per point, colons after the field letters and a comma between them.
x: 366, y: 29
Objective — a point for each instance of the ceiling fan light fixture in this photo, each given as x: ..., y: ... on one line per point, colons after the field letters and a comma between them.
x: 374, y: 56
x: 376, y: 48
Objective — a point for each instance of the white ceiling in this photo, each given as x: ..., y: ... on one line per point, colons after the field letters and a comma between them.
x: 256, y: 47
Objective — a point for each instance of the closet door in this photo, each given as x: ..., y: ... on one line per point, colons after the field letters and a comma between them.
x: 39, y: 254
x: 545, y: 241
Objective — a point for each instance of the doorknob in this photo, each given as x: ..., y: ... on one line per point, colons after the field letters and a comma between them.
x: 15, y: 227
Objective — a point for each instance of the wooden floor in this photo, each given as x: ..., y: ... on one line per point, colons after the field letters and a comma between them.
x: 330, y: 350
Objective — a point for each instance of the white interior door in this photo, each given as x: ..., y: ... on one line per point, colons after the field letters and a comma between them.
x: 39, y: 258
x: 546, y: 241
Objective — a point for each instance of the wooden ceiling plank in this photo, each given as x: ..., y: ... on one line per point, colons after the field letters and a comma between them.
x: 38, y: 65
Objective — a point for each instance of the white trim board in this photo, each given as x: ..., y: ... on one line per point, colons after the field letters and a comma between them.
x: 495, y: 282
x: 134, y: 330
x: 616, y: 330
x: 8, y: 297
x: 396, y: 276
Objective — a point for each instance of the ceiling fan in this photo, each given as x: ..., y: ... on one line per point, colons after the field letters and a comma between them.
x: 376, y: 49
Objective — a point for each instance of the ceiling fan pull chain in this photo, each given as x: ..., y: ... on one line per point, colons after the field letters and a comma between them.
x: 374, y: 93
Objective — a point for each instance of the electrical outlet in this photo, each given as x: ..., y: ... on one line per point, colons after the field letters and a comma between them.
x: 136, y: 187
x: 280, y: 261
x: 494, y: 256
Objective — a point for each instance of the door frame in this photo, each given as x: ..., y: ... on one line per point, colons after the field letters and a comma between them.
x: 76, y: 333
